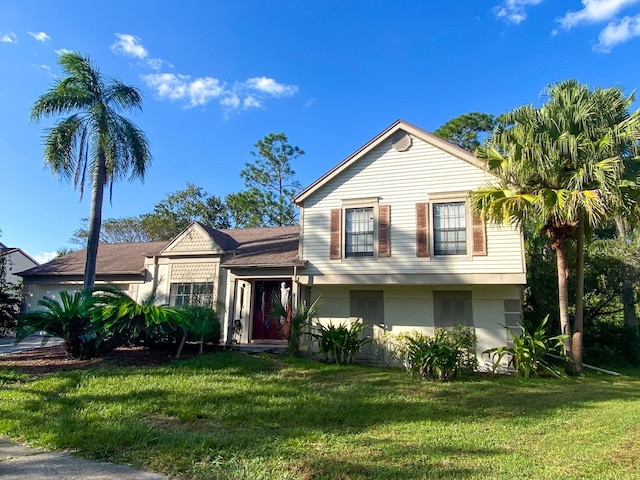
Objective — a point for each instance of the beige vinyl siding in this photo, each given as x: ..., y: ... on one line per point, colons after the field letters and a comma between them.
x: 402, y: 179
x: 408, y: 308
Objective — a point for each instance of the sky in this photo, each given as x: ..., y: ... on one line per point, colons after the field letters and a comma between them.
x: 216, y: 77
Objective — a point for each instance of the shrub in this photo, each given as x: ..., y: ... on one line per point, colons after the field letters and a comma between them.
x: 340, y: 343
x: 201, y: 324
x: 445, y: 356
x: 295, y: 321
x: 69, y: 319
x: 611, y: 344
x: 528, y: 354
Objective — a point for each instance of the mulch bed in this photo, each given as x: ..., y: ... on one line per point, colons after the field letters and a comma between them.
x: 53, y: 359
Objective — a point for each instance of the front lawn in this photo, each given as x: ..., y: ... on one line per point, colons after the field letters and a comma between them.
x: 235, y: 416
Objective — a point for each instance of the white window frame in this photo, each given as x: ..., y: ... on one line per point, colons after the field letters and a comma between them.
x: 446, y: 198
x: 351, y: 204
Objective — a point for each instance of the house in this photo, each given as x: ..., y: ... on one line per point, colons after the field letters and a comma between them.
x: 386, y: 237
x: 15, y: 260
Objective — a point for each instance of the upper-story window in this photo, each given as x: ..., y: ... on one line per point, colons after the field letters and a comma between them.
x: 359, y: 232
x: 449, y: 228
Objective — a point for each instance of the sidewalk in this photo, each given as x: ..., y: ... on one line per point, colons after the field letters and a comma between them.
x: 31, y: 342
x: 25, y: 463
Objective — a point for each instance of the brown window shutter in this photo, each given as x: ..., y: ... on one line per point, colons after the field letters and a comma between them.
x: 422, y: 229
x: 384, y: 231
x: 335, y: 248
x: 479, y: 236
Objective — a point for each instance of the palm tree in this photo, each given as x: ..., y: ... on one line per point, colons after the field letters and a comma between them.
x: 560, y: 165
x: 94, y: 140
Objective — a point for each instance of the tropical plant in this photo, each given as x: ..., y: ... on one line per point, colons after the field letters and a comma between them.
x: 129, y: 321
x: 529, y: 355
x: 295, y: 321
x: 95, y: 140
x: 560, y: 165
x: 69, y: 318
x: 203, y: 323
x: 340, y: 343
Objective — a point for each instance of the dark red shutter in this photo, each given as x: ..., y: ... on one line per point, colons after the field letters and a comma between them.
x: 479, y: 235
x: 422, y: 229
x: 384, y: 231
x: 335, y: 250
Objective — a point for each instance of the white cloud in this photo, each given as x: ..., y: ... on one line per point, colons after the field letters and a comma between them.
x: 202, y: 90
x: 271, y: 87
x: 514, y: 11
x: 60, y: 51
x: 595, y: 11
x: 45, y: 257
x: 618, y: 32
x: 40, y: 36
x: 251, y: 102
x: 129, y: 46
x: 9, y: 38
x: 44, y: 67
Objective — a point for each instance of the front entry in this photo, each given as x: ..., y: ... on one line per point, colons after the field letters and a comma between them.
x: 265, y: 325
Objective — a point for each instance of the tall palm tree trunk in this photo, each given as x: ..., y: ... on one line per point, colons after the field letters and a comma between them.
x: 628, y: 300
x: 578, y: 323
x: 560, y: 247
x: 95, y: 220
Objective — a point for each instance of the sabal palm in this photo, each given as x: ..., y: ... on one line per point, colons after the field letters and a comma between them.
x: 560, y: 165
x: 95, y: 140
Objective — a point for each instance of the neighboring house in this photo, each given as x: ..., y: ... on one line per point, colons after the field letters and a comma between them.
x: 16, y: 260
x: 387, y: 236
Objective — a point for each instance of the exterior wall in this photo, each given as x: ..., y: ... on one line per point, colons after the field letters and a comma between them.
x: 408, y: 307
x: 16, y: 261
x: 402, y: 179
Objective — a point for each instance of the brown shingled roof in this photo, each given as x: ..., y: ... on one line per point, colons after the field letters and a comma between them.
x: 267, y: 246
x: 113, y: 258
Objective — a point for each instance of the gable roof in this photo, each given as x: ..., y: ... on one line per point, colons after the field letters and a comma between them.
x: 198, y: 238
x: 423, y: 135
x: 113, y: 259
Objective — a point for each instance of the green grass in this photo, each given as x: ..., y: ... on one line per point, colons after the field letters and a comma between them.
x: 235, y: 416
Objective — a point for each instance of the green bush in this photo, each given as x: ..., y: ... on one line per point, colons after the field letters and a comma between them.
x: 69, y: 319
x: 296, y: 321
x: 340, y: 343
x: 611, y: 344
x: 447, y: 355
x: 529, y: 355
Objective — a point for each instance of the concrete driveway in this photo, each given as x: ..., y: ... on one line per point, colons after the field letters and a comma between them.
x: 8, y: 345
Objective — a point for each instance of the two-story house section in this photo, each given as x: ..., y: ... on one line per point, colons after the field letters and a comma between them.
x: 388, y: 236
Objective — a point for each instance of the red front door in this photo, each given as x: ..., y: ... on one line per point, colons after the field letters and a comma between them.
x: 265, y: 325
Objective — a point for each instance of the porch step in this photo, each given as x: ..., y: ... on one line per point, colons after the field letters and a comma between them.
x: 279, y: 348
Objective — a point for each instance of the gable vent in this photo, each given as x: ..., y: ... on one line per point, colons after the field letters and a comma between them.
x: 401, y: 141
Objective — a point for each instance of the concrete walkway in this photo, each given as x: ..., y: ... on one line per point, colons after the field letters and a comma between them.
x: 25, y: 463
x: 37, y: 340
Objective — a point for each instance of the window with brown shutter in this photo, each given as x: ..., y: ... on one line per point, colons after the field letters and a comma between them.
x: 335, y: 247
x: 384, y: 231
x: 422, y: 229
x: 479, y: 236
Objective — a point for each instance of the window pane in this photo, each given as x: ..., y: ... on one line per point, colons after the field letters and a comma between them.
x: 359, y: 232
x: 449, y: 228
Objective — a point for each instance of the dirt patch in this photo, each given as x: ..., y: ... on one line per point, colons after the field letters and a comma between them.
x: 52, y: 359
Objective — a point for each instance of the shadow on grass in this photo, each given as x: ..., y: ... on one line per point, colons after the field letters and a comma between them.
x: 303, y: 418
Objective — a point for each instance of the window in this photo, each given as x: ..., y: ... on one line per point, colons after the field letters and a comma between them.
x: 359, y: 232
x: 197, y: 294
x: 449, y: 229
x: 452, y: 308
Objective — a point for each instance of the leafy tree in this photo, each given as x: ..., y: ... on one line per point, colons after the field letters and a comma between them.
x: 467, y: 130
x: 10, y: 299
x: 95, y: 140
x: 169, y: 217
x: 270, y: 183
x: 561, y: 165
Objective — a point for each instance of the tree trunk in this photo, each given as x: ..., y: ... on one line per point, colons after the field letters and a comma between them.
x: 560, y: 247
x: 578, y: 323
x: 628, y: 300
x: 95, y: 220
x: 181, y: 346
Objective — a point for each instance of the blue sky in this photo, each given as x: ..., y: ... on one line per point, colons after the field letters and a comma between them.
x: 218, y: 76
